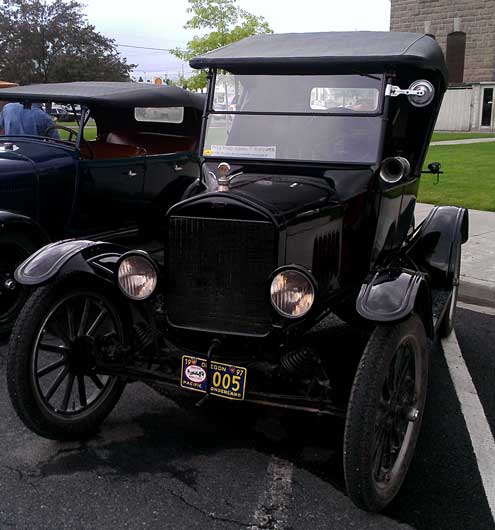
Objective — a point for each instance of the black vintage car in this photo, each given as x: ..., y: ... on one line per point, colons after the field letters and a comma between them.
x: 106, y: 187
x: 312, y: 152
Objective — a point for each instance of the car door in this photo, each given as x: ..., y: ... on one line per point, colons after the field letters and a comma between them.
x: 162, y: 170
x: 166, y: 179
x: 109, y: 195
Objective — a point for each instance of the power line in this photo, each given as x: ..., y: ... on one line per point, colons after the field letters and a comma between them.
x: 144, y: 48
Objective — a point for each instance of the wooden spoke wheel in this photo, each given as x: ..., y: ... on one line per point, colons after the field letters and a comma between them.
x: 52, y: 370
x: 385, y: 412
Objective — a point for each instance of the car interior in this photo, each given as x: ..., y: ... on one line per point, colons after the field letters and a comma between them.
x: 120, y: 135
x: 127, y: 144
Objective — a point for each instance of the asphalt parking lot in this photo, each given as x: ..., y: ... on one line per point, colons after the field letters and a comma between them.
x: 156, y: 465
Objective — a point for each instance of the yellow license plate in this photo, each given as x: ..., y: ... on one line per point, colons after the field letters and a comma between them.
x: 226, y: 380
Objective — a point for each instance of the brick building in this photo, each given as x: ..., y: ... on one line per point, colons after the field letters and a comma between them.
x: 465, y: 29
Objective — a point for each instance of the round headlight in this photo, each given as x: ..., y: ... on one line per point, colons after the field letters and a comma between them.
x: 137, y: 277
x: 292, y: 293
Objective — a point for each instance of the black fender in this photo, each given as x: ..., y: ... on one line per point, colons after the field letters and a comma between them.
x: 71, y: 255
x: 392, y: 295
x: 22, y: 223
x: 435, y: 246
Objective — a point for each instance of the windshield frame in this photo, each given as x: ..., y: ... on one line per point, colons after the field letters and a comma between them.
x: 380, y: 112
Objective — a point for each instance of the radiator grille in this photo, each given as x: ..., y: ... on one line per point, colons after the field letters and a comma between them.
x: 218, y: 274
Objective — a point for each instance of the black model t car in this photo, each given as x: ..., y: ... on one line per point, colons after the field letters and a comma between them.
x: 312, y: 151
x: 143, y: 145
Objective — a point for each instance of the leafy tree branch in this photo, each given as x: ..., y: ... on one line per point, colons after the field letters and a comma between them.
x: 227, y: 23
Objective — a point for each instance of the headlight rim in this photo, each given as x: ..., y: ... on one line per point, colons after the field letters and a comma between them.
x: 140, y: 254
x: 303, y: 272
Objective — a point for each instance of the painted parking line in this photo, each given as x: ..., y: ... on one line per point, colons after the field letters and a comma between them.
x: 477, y: 308
x: 274, y: 503
x: 474, y: 417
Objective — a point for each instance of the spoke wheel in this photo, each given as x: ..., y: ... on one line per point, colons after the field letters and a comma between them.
x: 64, y: 355
x: 52, y: 372
x: 385, y: 412
x: 397, y: 409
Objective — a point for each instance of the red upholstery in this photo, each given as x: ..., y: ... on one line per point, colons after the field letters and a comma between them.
x: 122, y: 144
x: 99, y: 149
x: 153, y: 144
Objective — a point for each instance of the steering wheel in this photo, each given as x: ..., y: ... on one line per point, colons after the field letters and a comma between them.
x: 72, y: 133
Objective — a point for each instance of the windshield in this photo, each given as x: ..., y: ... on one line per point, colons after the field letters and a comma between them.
x: 332, y: 118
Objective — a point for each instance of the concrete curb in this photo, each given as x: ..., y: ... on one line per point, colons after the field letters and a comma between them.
x: 477, y: 292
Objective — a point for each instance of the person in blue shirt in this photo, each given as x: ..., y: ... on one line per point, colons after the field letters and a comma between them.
x: 16, y: 119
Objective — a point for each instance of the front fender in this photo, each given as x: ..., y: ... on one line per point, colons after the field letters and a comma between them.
x: 71, y: 255
x: 435, y: 245
x: 394, y: 294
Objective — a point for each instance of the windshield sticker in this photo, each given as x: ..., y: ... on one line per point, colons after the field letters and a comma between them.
x: 251, y: 151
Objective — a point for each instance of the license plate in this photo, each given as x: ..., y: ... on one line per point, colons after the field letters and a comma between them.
x: 226, y: 380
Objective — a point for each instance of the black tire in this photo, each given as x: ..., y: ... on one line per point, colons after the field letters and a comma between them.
x: 64, y: 323
x: 447, y: 324
x: 384, y: 414
x: 14, y: 249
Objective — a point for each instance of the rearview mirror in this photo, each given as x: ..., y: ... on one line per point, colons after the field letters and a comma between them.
x: 434, y: 167
x: 423, y: 93
x: 420, y: 93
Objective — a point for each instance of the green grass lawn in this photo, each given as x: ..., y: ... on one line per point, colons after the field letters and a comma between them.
x: 89, y: 132
x: 442, y: 136
x: 90, y: 123
x: 468, y: 179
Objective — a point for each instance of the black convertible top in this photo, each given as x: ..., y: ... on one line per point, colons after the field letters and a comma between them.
x: 106, y: 94
x: 312, y: 53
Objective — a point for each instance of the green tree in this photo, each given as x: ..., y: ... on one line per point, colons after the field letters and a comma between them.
x: 228, y: 23
x: 45, y: 41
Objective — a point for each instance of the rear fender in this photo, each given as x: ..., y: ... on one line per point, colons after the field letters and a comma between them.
x: 392, y: 295
x: 11, y: 221
x: 90, y: 257
x: 437, y: 242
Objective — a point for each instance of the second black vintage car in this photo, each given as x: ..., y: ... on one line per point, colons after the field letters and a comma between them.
x: 313, y: 147
x: 143, y: 157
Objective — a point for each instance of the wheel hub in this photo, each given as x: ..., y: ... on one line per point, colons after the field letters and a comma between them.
x: 82, y: 359
x: 9, y: 284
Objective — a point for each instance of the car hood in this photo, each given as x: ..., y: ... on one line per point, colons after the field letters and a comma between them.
x: 31, y: 156
x: 14, y: 165
x: 284, y: 195
x: 292, y: 192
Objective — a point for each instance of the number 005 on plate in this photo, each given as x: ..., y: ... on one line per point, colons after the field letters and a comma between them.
x: 226, y: 380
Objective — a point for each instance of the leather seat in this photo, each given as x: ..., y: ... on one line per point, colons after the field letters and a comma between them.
x: 153, y: 144
x: 101, y: 150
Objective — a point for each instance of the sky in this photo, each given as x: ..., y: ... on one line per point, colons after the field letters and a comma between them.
x: 159, y: 24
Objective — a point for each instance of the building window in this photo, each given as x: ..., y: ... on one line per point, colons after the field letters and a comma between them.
x: 456, y: 51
